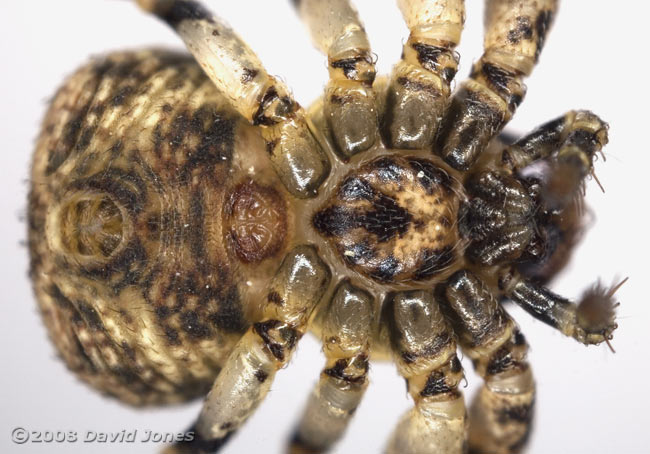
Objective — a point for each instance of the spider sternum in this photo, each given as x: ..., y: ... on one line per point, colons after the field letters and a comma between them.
x: 343, y: 169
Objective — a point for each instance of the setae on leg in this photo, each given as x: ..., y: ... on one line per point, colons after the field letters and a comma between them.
x: 591, y: 321
x: 568, y: 145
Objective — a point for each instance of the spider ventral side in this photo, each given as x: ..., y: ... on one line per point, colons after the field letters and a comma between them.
x: 190, y: 221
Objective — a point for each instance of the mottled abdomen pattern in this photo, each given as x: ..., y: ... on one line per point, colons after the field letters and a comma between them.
x: 133, y: 256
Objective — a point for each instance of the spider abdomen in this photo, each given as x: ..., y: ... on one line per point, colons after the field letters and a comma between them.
x: 148, y: 228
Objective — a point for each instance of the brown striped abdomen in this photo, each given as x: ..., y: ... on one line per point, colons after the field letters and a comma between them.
x: 135, y: 257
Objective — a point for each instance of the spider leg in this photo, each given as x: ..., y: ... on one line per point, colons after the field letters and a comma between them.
x: 501, y: 414
x: 349, y: 106
x: 484, y: 103
x: 591, y: 321
x: 554, y: 160
x: 266, y: 347
x: 568, y: 144
x: 260, y: 98
x: 425, y: 352
x: 346, y: 334
x: 419, y: 86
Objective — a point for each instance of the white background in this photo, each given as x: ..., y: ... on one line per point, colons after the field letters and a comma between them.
x: 589, y: 400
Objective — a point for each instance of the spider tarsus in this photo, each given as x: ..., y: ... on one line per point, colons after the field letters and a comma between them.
x: 595, y: 314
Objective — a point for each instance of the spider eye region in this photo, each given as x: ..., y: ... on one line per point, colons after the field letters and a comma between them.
x: 393, y: 219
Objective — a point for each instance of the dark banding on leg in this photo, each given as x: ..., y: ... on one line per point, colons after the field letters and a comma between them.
x: 553, y: 162
x: 580, y: 128
x: 501, y: 414
x: 349, y: 104
x: 347, y: 325
x: 425, y: 352
x: 260, y: 98
x: 591, y: 321
x: 514, y: 37
x: 419, y: 86
x: 267, y: 346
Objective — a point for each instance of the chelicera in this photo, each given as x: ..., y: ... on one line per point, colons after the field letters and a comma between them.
x: 189, y: 221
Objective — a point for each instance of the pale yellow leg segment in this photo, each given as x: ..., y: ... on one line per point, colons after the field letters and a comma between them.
x: 419, y: 87
x: 425, y: 352
x: 349, y: 104
x: 266, y: 347
x: 515, y: 31
x: 260, y: 98
x: 346, y: 334
x: 501, y: 415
